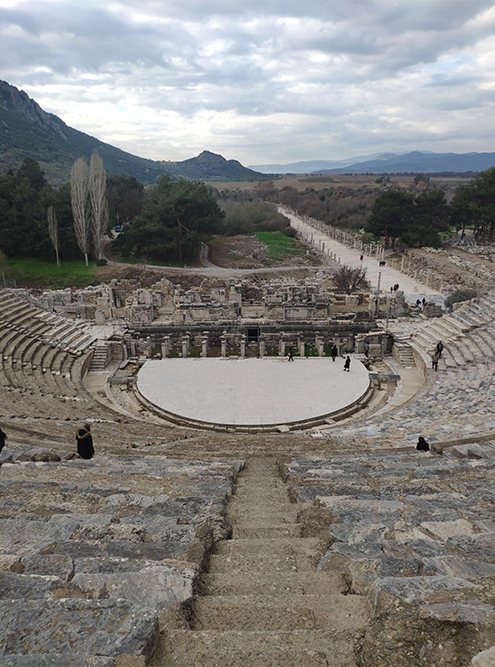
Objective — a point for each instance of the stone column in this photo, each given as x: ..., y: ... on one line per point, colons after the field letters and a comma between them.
x: 148, y: 347
x: 133, y: 348
x: 320, y: 345
x: 165, y: 346
x: 223, y: 343
x: 185, y: 346
x: 281, y: 346
x: 262, y: 347
x: 300, y: 345
x: 243, y: 347
x: 204, y: 344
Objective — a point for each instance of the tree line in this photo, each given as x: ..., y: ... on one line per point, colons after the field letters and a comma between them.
x: 38, y: 220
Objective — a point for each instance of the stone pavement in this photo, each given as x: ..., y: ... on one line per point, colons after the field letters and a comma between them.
x: 389, y: 277
x: 252, y: 391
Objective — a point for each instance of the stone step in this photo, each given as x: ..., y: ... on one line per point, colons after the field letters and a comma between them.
x: 273, y: 583
x: 310, y: 545
x: 232, y: 648
x: 267, y: 562
x: 256, y: 531
x: 268, y: 515
x: 260, y: 612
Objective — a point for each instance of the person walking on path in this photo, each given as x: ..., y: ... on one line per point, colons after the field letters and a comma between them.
x: 366, y: 348
x: 84, y: 438
x: 439, y: 349
x: 347, y: 364
x: 290, y: 355
x: 334, y: 352
x: 3, y: 437
x: 434, y: 361
x: 422, y: 445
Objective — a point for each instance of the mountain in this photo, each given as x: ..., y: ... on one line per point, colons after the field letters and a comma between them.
x: 315, y: 165
x: 417, y: 161
x: 28, y: 131
x: 211, y: 167
x: 383, y: 163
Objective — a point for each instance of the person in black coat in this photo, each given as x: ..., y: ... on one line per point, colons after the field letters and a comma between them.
x: 2, y: 439
x: 334, y: 352
x: 84, y: 438
x: 347, y: 364
x: 422, y: 445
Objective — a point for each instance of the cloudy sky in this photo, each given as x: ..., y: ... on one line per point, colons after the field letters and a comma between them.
x: 261, y: 81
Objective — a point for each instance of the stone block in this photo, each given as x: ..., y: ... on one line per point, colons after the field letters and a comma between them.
x: 485, y: 658
x: 420, y: 589
x: 23, y: 537
x: 24, y: 586
x: 61, y: 566
x: 99, y: 549
x: 443, y: 530
x: 156, y: 586
x: 470, y: 611
x: 54, y: 660
x: 479, y: 545
x: 457, y: 566
x: 104, y: 628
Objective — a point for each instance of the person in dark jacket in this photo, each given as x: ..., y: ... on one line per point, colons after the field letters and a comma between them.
x: 334, y: 352
x: 3, y: 436
x: 84, y: 438
x: 347, y: 364
x: 439, y: 348
x: 422, y: 445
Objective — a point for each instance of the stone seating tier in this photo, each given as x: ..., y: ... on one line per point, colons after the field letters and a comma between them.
x: 99, y: 549
x: 415, y: 533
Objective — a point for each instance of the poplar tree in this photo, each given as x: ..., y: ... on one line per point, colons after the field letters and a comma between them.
x: 80, y: 208
x: 97, y: 184
x: 53, y: 230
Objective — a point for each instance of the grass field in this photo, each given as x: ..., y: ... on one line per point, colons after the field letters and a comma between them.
x: 32, y: 272
x: 279, y: 245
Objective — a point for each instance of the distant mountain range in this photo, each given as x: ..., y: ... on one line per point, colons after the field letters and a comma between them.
x: 28, y: 131
x: 389, y: 163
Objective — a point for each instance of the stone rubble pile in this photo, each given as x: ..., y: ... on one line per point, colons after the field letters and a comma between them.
x: 92, y: 552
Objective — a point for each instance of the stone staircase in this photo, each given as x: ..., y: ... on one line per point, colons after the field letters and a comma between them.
x: 262, y: 601
x: 99, y: 360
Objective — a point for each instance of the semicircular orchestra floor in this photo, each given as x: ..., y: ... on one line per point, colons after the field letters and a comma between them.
x: 251, y: 392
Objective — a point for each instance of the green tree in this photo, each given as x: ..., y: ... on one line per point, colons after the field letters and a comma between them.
x: 430, y: 217
x: 177, y: 216
x: 474, y: 204
x: 32, y: 171
x: 391, y: 215
x: 125, y: 196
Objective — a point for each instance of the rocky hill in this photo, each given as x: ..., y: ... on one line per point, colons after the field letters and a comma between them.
x: 28, y: 131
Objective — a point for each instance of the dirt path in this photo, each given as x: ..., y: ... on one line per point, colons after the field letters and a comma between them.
x: 262, y: 602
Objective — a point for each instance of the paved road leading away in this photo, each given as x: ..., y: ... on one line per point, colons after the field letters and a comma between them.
x: 389, y: 277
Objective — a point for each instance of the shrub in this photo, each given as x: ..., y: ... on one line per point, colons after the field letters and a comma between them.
x: 460, y: 295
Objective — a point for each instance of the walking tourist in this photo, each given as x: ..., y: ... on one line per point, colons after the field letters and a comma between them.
x: 3, y: 437
x: 347, y: 364
x: 439, y: 349
x: 422, y: 445
x: 366, y: 348
x: 290, y: 354
x: 84, y: 438
x: 334, y: 352
x: 434, y: 361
